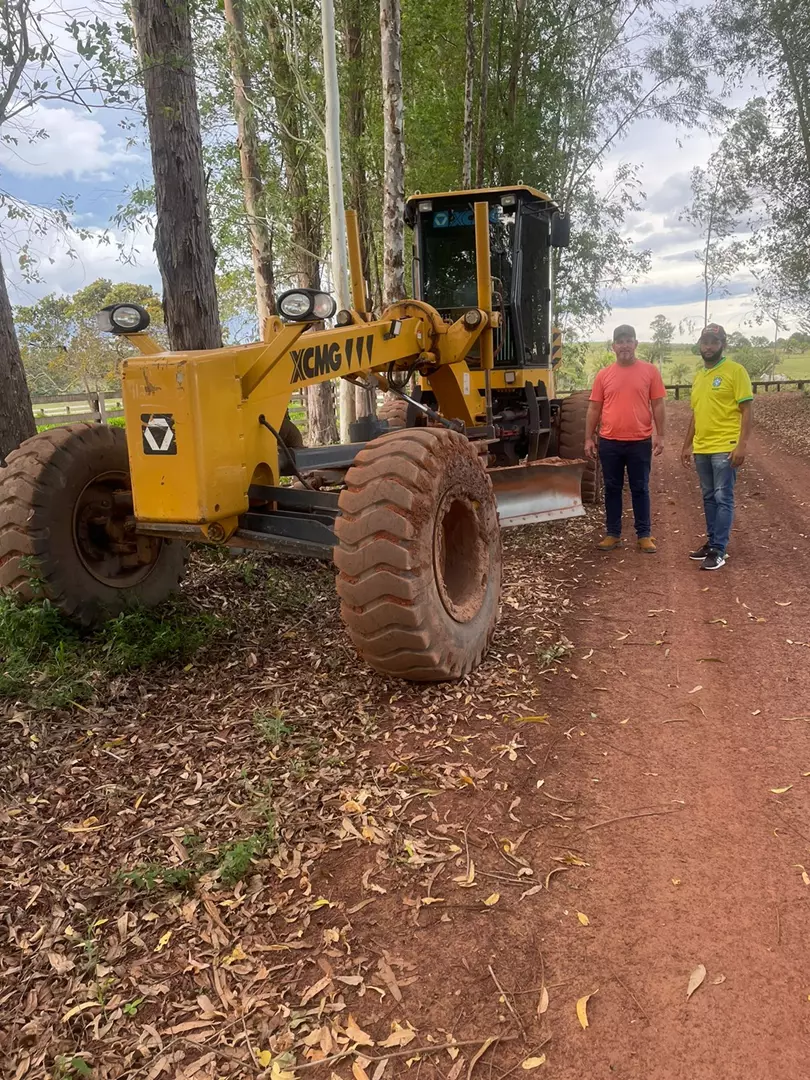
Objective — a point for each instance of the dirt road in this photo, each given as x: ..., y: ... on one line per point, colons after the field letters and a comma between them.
x: 701, y: 671
x: 324, y: 869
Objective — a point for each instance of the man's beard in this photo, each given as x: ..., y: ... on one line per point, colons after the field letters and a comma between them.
x: 712, y: 358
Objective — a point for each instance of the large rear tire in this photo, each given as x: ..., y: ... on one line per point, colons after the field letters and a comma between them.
x: 394, y: 409
x: 67, y: 527
x: 571, y: 442
x: 419, y: 555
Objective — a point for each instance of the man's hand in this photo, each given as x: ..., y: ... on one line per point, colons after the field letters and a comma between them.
x: 686, y: 457
x: 590, y: 449
x: 658, y: 445
x: 737, y: 457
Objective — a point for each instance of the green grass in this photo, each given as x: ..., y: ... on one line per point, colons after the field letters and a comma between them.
x: 232, y: 861
x: 47, y: 662
x: 271, y: 728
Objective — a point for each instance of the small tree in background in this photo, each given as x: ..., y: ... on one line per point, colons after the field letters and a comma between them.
x: 663, y: 333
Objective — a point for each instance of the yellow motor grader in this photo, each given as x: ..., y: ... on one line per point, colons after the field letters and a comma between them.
x: 409, y: 510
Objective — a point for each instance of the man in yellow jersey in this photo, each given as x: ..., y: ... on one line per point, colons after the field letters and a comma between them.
x: 718, y: 440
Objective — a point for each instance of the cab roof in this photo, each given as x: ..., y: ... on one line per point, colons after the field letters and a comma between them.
x: 517, y: 188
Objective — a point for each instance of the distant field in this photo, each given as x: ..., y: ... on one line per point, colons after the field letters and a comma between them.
x: 792, y: 365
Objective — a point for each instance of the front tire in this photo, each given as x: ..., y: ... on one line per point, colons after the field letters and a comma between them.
x: 419, y: 555
x: 67, y: 527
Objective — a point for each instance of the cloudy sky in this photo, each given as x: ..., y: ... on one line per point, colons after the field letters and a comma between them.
x: 87, y: 156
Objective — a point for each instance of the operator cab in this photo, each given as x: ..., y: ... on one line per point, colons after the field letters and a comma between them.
x: 524, y: 225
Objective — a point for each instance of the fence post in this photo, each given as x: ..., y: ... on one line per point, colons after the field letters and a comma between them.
x: 677, y: 393
x: 102, y: 408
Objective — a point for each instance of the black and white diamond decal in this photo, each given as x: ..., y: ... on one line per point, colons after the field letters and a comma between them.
x: 158, y: 433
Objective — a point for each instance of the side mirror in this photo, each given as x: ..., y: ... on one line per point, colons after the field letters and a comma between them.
x: 560, y: 229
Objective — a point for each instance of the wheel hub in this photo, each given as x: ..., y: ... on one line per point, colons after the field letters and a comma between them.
x: 104, y: 533
x: 460, y: 556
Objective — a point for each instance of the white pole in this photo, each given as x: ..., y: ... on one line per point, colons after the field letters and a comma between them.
x: 337, y: 210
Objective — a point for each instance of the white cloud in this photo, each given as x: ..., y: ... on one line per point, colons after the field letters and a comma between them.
x: 69, y: 262
x: 75, y: 145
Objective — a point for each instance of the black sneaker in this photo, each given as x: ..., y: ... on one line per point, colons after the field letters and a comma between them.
x: 714, y: 560
x: 700, y: 554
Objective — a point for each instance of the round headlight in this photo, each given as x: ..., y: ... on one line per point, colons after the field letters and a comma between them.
x: 128, y: 318
x: 323, y: 306
x: 295, y: 306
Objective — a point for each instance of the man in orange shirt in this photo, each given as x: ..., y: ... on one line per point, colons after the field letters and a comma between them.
x: 626, y: 398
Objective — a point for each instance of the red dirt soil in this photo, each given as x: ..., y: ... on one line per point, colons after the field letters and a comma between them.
x: 674, y: 705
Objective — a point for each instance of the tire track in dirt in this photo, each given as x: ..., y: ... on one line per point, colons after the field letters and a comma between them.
x: 740, y: 903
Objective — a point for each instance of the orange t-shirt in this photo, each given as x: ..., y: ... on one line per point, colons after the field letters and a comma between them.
x: 626, y: 393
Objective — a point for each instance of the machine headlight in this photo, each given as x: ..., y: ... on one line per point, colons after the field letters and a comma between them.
x: 323, y: 306
x: 123, y: 319
x: 306, y: 305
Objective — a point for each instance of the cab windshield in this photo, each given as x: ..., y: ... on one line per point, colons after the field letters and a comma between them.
x: 448, y: 255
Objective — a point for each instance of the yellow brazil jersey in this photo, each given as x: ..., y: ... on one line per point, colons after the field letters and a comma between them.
x: 716, y: 396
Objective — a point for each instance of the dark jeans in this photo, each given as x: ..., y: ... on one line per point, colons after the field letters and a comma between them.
x: 717, y: 479
x: 616, y: 456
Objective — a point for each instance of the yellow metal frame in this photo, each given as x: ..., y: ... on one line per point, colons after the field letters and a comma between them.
x: 205, y: 406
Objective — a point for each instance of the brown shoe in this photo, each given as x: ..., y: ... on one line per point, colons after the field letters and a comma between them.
x: 609, y: 543
x: 647, y: 545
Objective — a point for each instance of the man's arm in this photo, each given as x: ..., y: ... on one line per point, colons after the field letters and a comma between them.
x: 686, y: 450
x: 659, y: 412
x: 591, y: 424
x: 737, y: 455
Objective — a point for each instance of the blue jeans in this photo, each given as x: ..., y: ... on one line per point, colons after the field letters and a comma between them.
x: 634, y: 457
x: 717, y: 479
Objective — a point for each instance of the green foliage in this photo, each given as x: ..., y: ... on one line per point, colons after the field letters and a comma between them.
x: 46, y: 661
x: 61, y: 345
x: 271, y: 726
x: 663, y: 332
x: 150, y: 876
x: 236, y: 858
x: 138, y: 639
x: 757, y: 359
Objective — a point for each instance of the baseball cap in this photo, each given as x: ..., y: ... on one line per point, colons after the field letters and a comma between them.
x: 714, y: 330
x: 625, y: 330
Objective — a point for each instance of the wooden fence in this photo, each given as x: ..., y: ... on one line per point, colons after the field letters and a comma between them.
x: 100, y: 408
x: 90, y: 406
x: 766, y: 385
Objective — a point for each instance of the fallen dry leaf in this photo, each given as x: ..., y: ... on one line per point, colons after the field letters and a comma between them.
x: 358, y: 1072
x: 695, y: 689
x: 718, y: 979
x: 533, y: 1063
x: 467, y: 880
x: 315, y: 989
x: 583, y: 918
x: 781, y: 790
x: 356, y: 1034
x: 493, y: 899
x: 532, y: 719
x: 582, y: 1008
x: 542, y: 1004
x: 400, y: 1036
x: 695, y: 979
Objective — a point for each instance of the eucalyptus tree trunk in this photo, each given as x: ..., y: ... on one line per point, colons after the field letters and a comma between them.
x: 261, y: 240
x: 469, y: 80
x: 16, y: 415
x: 183, y: 245
x: 305, y: 227
x: 481, y: 139
x: 394, y: 152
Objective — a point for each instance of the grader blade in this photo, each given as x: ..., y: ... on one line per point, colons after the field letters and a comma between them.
x: 544, y: 490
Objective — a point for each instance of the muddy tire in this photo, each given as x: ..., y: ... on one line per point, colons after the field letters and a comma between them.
x: 395, y: 410
x: 419, y: 555
x: 571, y: 442
x: 66, y: 527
